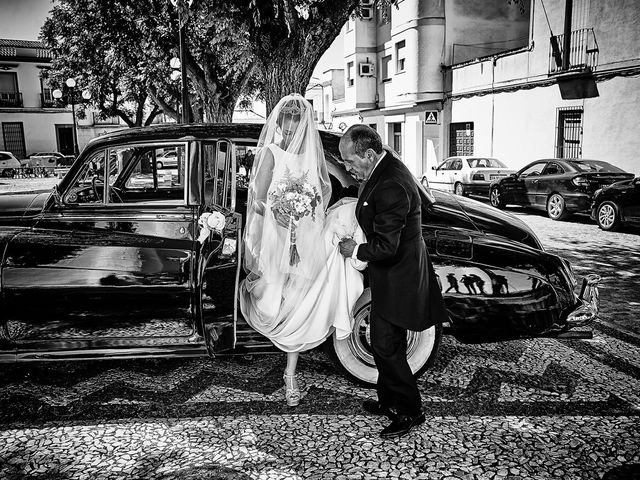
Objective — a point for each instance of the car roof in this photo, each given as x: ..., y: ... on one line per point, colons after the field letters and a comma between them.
x: 238, y: 131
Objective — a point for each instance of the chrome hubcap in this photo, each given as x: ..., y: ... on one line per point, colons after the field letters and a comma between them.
x: 360, y: 338
x: 458, y: 189
x: 606, y: 216
x: 495, y: 197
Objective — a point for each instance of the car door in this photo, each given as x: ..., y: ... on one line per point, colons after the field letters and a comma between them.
x: 440, y: 179
x: 110, y: 264
x: 550, y: 180
x: 524, y: 188
x: 219, y: 258
x: 630, y: 202
x: 455, y: 174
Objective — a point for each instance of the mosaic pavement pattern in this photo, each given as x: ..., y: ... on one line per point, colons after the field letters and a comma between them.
x: 518, y: 410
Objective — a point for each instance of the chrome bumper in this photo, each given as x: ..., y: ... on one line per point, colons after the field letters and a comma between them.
x: 589, y: 306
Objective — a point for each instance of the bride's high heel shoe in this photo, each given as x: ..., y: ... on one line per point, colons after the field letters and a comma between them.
x: 291, y: 392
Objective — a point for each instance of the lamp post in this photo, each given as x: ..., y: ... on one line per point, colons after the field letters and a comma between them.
x: 86, y: 94
x: 185, y: 117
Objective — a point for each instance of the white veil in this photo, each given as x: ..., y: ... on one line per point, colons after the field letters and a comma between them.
x: 290, y: 159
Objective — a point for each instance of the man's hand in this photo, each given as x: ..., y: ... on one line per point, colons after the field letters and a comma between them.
x: 346, y: 247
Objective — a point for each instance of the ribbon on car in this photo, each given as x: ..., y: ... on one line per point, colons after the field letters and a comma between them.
x: 210, y: 222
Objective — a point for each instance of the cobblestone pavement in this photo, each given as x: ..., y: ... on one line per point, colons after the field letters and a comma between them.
x: 530, y: 409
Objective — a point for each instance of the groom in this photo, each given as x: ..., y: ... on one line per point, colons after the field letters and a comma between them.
x: 404, y: 290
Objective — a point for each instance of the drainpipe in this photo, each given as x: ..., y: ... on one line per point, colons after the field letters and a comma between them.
x: 566, y: 44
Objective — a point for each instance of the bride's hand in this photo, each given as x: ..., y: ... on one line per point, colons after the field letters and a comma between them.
x: 281, y: 219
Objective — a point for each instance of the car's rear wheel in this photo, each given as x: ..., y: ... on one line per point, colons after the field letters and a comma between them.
x: 354, y: 358
x: 8, y: 173
x: 159, y: 165
x: 608, y: 216
x: 459, y: 189
x: 556, y: 207
x: 496, y: 199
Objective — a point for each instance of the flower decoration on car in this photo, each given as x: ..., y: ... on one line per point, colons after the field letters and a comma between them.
x: 210, y: 222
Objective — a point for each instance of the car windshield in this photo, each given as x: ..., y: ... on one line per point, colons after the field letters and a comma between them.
x: 485, y: 163
x: 595, y: 166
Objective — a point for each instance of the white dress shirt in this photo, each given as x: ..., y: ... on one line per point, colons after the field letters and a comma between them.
x: 354, y: 255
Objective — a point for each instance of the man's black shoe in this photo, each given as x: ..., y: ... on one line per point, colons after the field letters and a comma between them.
x: 376, y: 408
x: 402, y: 425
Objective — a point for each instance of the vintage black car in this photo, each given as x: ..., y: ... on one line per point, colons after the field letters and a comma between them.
x: 107, y: 264
x: 617, y: 204
x: 559, y: 186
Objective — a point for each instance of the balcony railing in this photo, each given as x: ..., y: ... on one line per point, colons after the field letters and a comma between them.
x: 48, y: 101
x: 582, y: 54
x: 10, y: 99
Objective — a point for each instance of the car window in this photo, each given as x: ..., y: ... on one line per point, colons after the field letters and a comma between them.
x: 87, y: 188
x: 553, y: 169
x: 596, y: 166
x: 136, y: 174
x: 485, y: 163
x: 4, y: 156
x: 444, y: 165
x: 534, y: 169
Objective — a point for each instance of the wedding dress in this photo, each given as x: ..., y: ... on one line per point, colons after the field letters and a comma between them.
x: 298, y: 307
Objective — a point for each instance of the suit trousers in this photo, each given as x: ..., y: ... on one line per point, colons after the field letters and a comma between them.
x: 396, y: 387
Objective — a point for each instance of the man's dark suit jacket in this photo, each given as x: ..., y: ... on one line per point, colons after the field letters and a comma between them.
x: 404, y: 289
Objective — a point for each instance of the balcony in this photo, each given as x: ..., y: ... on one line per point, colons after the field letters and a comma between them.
x: 47, y: 101
x: 582, y: 52
x: 11, y: 99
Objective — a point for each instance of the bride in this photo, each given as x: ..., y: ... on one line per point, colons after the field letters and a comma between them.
x: 299, y: 290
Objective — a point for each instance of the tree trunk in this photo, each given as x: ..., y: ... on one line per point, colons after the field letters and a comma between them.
x: 284, y: 75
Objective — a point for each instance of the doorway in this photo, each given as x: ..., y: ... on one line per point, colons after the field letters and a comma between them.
x: 461, y: 139
x: 13, y: 133
x: 64, y: 138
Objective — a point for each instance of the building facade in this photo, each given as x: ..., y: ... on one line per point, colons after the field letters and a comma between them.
x: 30, y: 118
x: 537, y: 102
x: 395, y: 68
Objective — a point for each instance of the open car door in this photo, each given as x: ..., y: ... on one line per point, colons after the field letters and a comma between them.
x: 219, y: 255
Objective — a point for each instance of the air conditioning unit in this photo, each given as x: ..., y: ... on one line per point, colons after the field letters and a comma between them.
x: 366, y: 13
x: 366, y: 3
x: 366, y: 69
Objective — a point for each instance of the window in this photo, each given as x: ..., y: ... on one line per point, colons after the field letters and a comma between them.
x: 396, y: 130
x: 569, y: 132
x: 553, y: 169
x: 9, y: 94
x: 351, y: 74
x: 534, y: 169
x: 350, y: 23
x: 456, y: 164
x: 485, y: 163
x: 400, y: 56
x: 384, y: 65
x: 132, y: 174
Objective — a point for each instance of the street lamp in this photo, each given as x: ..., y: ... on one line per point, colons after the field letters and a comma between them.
x: 180, y: 62
x: 86, y: 94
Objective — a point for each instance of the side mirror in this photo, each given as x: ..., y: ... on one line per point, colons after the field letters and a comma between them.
x: 434, y: 168
x: 514, y: 175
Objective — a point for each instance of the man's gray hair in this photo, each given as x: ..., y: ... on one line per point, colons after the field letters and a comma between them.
x: 364, y: 138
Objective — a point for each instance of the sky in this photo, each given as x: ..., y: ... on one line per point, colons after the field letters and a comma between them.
x: 22, y: 19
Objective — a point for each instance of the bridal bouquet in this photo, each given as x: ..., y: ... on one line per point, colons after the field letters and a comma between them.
x: 295, y: 198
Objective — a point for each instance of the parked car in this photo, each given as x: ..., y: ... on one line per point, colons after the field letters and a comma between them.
x: 617, y: 204
x: 559, y: 186
x: 111, y: 268
x: 48, y: 159
x: 466, y: 175
x: 167, y: 159
x: 9, y: 164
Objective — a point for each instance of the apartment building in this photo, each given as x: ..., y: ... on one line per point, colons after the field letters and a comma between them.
x: 395, y: 68
x: 573, y: 91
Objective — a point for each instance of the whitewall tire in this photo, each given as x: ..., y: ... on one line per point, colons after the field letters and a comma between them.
x: 353, y: 356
